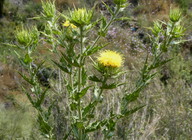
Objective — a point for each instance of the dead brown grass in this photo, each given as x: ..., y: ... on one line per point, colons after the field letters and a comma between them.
x: 152, y: 10
x: 60, y: 2
x: 8, y: 81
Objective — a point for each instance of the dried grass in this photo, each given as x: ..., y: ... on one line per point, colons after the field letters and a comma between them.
x: 60, y: 2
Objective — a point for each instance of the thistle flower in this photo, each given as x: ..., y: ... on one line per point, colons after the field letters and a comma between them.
x: 68, y: 24
x: 109, y: 58
x: 26, y: 37
x: 157, y: 28
x: 81, y: 17
x: 49, y: 9
x: 175, y: 15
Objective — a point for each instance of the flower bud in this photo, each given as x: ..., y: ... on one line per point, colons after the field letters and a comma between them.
x: 81, y: 17
x: 178, y: 31
x: 157, y: 28
x: 175, y: 15
x: 26, y: 37
x: 23, y: 37
x: 49, y: 9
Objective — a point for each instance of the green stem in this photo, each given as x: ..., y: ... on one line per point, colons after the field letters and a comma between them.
x: 97, y: 101
x: 171, y: 32
x: 107, y: 26
x: 71, y: 79
x: 79, y: 82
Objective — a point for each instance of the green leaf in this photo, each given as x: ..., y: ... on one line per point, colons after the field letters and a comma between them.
x: 30, y: 81
x: 149, y: 78
x: 28, y: 96
x: 36, y: 69
x: 108, y: 8
x: 178, y: 42
x: 94, y: 78
x: 128, y: 98
x: 122, y: 18
x: 88, y: 108
x: 94, y: 126
x: 96, y: 49
x: 103, y: 22
x: 84, y: 76
x: 41, y: 99
x: 10, y: 45
x: 111, y: 86
x: 132, y: 97
x: 71, y: 61
x: 102, y: 33
x: 73, y: 106
x: 82, y: 93
x: 158, y: 64
x: 129, y: 112
x: 91, y: 50
x: 63, y: 68
x: 27, y: 59
x: 79, y: 125
x: 45, y: 128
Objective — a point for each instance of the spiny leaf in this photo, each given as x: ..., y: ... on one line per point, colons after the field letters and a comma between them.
x: 27, y: 59
x: 91, y: 50
x: 30, y: 81
x: 129, y: 112
x: 70, y: 61
x: 108, y: 8
x: 42, y: 97
x: 28, y: 96
x: 45, y: 128
x: 88, y: 108
x: 111, y: 86
x: 94, y: 78
x: 82, y: 93
x: 63, y: 68
x: 84, y: 76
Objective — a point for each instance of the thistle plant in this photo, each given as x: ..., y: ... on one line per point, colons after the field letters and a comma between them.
x: 79, y: 84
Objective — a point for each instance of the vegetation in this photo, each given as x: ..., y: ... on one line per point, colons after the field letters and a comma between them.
x: 89, y: 73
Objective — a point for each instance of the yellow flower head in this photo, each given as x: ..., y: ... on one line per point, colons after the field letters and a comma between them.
x: 68, y: 24
x: 110, y: 59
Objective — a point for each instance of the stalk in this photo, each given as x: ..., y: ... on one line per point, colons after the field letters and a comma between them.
x: 96, y: 101
x: 106, y: 27
x: 71, y: 79
x: 79, y: 81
